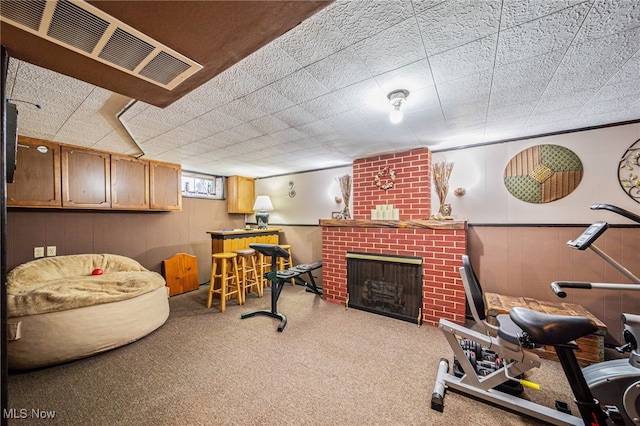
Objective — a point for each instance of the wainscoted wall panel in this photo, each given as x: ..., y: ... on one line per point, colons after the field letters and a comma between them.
x: 148, y: 237
x: 524, y: 260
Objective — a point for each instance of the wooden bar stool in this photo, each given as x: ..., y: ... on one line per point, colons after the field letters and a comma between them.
x: 286, y: 263
x: 248, y: 272
x: 227, y: 264
x: 263, y: 266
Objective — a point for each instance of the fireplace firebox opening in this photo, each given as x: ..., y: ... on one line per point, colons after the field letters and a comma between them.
x: 384, y: 284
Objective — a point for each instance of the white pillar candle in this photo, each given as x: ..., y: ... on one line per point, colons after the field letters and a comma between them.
x: 374, y: 214
x: 396, y: 214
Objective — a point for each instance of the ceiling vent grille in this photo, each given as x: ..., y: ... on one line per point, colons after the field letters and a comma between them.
x: 85, y: 29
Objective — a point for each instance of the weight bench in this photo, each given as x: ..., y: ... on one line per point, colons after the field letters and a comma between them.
x: 278, y: 278
x: 306, y: 268
x: 274, y: 251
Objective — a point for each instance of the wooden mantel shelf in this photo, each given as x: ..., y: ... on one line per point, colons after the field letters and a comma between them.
x: 407, y: 224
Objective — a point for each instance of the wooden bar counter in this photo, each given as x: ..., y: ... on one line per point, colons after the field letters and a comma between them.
x: 227, y: 241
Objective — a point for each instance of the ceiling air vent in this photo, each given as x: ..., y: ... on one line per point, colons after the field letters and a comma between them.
x: 87, y: 30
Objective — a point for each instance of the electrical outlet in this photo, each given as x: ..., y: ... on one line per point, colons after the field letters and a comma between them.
x: 51, y: 250
x: 38, y: 252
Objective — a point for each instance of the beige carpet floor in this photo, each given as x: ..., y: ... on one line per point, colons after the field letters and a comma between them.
x: 330, y: 366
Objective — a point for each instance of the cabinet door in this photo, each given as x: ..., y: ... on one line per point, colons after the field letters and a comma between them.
x: 165, y: 190
x: 36, y: 181
x: 129, y: 183
x: 240, y: 194
x: 86, y: 178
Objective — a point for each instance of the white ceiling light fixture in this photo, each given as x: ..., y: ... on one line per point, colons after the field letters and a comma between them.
x: 396, y: 99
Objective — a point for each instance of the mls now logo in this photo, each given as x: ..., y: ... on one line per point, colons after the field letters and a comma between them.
x: 23, y: 413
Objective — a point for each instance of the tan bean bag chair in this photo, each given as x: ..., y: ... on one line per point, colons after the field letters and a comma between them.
x: 58, y: 311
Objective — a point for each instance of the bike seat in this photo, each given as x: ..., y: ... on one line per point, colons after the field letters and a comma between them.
x: 549, y: 329
x: 507, y: 329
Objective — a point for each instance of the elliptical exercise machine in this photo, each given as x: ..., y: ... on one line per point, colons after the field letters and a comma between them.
x: 615, y: 384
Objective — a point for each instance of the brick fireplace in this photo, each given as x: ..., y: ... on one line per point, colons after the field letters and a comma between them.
x: 440, y: 244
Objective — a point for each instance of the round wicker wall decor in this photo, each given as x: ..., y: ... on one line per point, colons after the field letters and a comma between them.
x: 543, y: 173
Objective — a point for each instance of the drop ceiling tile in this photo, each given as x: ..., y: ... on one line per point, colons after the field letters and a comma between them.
x: 551, y: 32
x: 548, y: 117
x: 240, y: 110
x: 412, y: 77
x: 268, y: 100
x: 269, y: 124
x: 618, y: 90
x: 424, y: 5
x: 517, y: 12
x: 358, y: 20
x: 316, y: 128
x: 143, y: 129
x: 469, y: 58
x: 290, y: 135
x: 246, y: 130
x: 599, y: 106
x: 454, y: 23
x: 599, y: 60
x: 298, y: 87
x: 470, y: 89
x: 343, y: 119
x: 608, y: 17
x: 194, y: 149
x: 551, y: 102
x: 235, y: 82
x: 312, y: 40
x: 117, y: 142
x: 199, y: 101
x: 53, y: 81
x: 324, y: 106
x: 539, y: 69
x: 629, y: 71
x: 295, y: 116
x: 170, y: 117
x: 270, y: 63
x: 514, y: 109
x: 339, y: 70
x: 211, y: 123
x: 401, y: 45
x: 504, y: 98
x: 424, y: 98
x: 367, y: 93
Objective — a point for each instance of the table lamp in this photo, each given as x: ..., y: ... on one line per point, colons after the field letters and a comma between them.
x: 261, y: 207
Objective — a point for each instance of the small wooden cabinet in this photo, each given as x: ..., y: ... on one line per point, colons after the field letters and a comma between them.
x: 86, y: 178
x: 37, y: 178
x: 164, y: 188
x: 129, y: 183
x: 241, y: 194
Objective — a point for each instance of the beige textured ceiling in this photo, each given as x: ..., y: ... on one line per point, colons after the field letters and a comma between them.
x: 316, y: 97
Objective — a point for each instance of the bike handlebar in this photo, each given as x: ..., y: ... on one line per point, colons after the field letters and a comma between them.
x: 557, y: 287
x: 617, y: 210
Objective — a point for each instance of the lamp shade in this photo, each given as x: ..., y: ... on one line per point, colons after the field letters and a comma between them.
x: 263, y: 203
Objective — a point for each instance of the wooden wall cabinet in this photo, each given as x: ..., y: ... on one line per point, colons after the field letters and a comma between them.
x: 37, y: 177
x: 86, y: 178
x: 64, y: 176
x: 129, y: 183
x: 241, y: 194
x: 164, y: 188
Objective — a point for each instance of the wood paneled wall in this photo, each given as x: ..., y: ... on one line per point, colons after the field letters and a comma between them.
x: 525, y: 260
x: 148, y: 237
